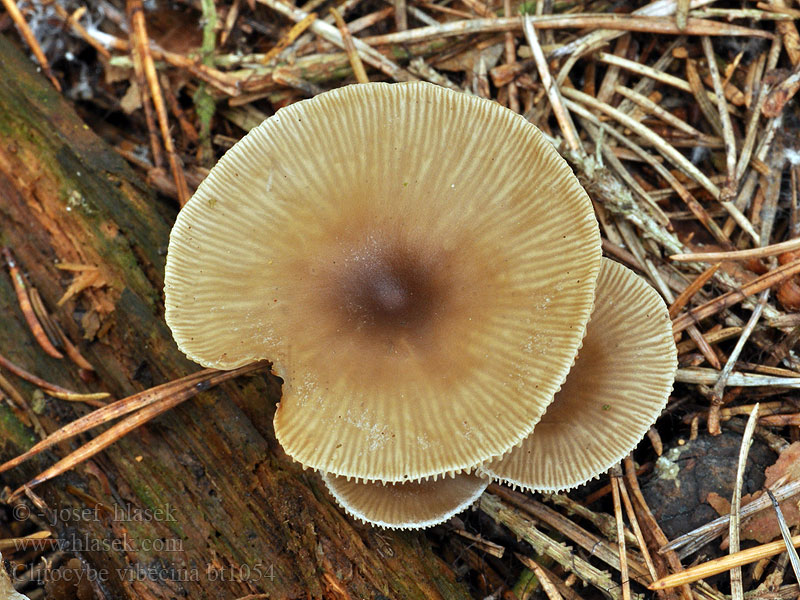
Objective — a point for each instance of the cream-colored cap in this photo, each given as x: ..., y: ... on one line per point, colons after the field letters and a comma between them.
x: 408, y: 505
x: 618, y: 387
x: 419, y: 265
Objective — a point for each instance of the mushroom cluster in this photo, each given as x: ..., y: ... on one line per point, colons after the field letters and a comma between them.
x: 420, y: 266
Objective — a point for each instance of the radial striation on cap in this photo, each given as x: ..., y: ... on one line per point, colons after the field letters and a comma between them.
x: 408, y: 505
x: 617, y: 388
x: 418, y: 264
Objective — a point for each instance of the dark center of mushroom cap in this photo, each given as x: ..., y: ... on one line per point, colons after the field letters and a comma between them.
x: 390, y: 293
x: 386, y: 288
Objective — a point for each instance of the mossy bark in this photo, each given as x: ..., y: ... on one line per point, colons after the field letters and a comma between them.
x: 237, y: 517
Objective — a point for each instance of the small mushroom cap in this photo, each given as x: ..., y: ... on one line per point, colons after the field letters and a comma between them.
x: 408, y: 505
x: 617, y: 388
x: 418, y: 264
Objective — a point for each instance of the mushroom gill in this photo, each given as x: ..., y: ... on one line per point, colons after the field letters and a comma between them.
x: 618, y: 386
x: 418, y: 264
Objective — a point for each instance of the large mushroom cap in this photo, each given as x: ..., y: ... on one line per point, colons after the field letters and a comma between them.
x: 407, y: 505
x: 419, y: 265
x: 618, y: 386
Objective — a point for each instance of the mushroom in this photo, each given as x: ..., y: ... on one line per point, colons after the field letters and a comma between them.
x: 418, y: 264
x: 615, y: 391
x: 406, y: 505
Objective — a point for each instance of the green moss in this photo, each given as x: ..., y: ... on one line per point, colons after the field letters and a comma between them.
x: 399, y: 53
x: 14, y: 431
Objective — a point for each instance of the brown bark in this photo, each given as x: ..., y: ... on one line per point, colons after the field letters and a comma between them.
x: 239, y: 517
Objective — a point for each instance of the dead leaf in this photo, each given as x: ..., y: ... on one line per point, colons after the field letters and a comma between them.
x: 113, y: 74
x: 132, y: 100
x: 89, y: 278
x: 718, y: 503
x: 786, y: 468
x: 91, y: 325
x: 763, y: 526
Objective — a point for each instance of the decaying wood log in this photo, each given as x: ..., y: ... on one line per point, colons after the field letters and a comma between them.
x: 237, y: 517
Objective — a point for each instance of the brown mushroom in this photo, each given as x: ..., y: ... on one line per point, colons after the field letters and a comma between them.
x: 419, y: 264
x: 406, y: 505
x: 615, y: 391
